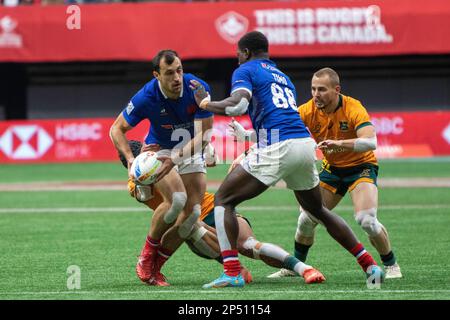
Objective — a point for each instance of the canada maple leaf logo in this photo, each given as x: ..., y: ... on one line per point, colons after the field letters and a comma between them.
x: 232, y: 26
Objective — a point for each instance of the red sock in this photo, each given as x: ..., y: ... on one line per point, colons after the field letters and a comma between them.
x: 364, y: 258
x: 231, y: 264
x: 150, y: 245
x: 164, y: 254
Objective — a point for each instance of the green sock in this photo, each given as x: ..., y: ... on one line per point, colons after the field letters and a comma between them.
x: 290, y: 262
x: 301, y: 251
x: 389, y: 259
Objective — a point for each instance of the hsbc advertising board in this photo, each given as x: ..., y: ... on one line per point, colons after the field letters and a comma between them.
x: 400, y: 135
x: 55, y: 141
x: 412, y: 134
x: 295, y: 29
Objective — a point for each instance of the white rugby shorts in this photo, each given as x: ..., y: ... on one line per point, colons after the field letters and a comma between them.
x: 292, y: 160
x: 194, y: 164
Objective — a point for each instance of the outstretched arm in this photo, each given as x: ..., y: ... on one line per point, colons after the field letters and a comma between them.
x: 366, y: 140
x: 235, y: 105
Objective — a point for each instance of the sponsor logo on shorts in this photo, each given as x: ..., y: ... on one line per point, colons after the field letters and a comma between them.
x: 365, y: 173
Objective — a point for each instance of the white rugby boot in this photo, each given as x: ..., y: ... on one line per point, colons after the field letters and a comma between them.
x: 393, y: 271
x: 282, y: 273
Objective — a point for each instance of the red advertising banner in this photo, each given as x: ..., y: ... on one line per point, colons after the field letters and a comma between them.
x: 210, y: 30
x: 412, y: 134
x: 56, y: 141
x: 400, y: 135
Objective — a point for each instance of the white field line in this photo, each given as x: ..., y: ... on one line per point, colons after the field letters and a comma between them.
x: 243, y: 209
x: 64, y: 186
x: 212, y: 185
x: 219, y: 292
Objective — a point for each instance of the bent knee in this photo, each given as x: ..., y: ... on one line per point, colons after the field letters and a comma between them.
x: 252, y: 245
x: 178, y: 202
x: 368, y: 221
x: 225, y: 199
x: 187, y: 222
x: 305, y: 225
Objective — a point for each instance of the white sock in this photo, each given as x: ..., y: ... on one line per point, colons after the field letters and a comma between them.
x: 300, y: 268
x: 224, y: 243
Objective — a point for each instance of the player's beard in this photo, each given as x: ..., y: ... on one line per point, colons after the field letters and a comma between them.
x: 319, y: 104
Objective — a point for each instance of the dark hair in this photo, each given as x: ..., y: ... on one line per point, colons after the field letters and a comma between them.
x: 135, y: 147
x: 168, y: 55
x: 255, y: 41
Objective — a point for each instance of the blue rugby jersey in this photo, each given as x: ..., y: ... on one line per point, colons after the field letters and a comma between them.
x: 273, y: 107
x: 166, y: 115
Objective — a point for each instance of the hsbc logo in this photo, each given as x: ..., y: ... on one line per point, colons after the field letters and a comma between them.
x: 24, y: 142
x: 387, y: 126
x: 232, y: 26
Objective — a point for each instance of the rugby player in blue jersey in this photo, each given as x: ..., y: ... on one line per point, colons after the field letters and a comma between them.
x: 177, y: 127
x: 285, y: 151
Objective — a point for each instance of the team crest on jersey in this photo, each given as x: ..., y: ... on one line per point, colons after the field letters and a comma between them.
x: 343, y: 125
x: 191, y: 109
x: 163, y: 112
x: 130, y: 107
x: 317, y: 128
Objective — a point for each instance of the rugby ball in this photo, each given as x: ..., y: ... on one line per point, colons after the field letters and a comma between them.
x: 144, y: 167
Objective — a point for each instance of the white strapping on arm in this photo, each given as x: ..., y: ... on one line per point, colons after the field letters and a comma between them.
x: 365, y: 144
x: 238, y: 109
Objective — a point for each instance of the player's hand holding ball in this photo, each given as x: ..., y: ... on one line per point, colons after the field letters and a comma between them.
x: 144, y: 168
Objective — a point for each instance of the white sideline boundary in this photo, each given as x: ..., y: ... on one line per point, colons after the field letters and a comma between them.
x: 126, y: 210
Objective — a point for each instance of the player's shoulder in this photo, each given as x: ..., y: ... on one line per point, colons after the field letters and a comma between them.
x: 261, y: 64
x: 351, y: 103
x: 248, y: 66
x: 149, y: 90
x: 353, y: 108
x: 146, y: 96
x: 190, y: 76
x: 243, y: 74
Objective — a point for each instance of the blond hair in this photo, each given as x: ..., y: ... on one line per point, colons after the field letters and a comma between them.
x: 334, y: 77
